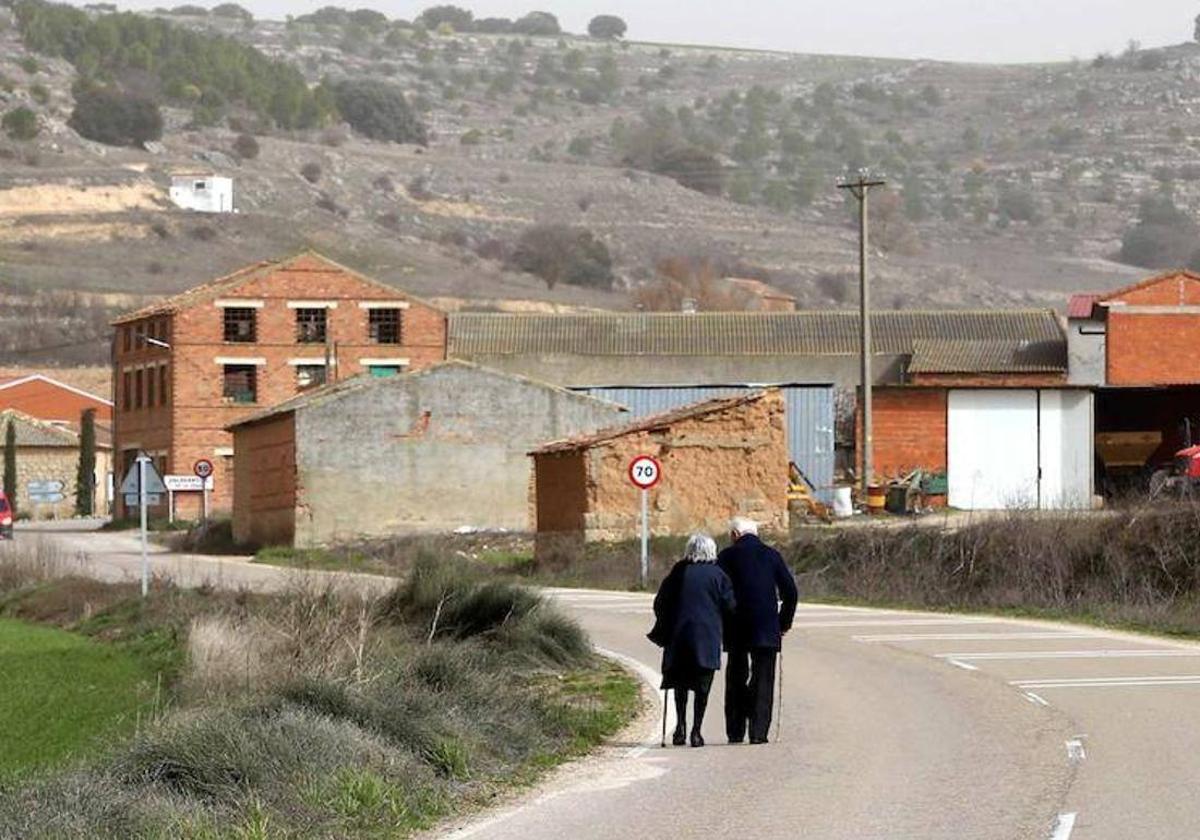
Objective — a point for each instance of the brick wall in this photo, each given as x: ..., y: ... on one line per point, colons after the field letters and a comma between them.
x: 265, y: 491
x: 192, y: 425
x: 910, y: 429
x: 1153, y: 348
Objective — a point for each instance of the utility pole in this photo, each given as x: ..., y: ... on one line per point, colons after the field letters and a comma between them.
x: 861, y: 188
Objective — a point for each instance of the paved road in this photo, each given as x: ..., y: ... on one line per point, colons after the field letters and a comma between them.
x: 895, y: 725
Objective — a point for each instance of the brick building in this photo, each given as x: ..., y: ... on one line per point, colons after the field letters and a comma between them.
x: 47, y: 465
x: 720, y: 458
x: 189, y: 366
x: 436, y: 450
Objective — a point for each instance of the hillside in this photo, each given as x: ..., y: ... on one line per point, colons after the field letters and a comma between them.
x: 1009, y: 185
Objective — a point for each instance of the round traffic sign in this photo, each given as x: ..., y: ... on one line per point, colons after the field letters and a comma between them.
x: 203, y: 468
x: 645, y: 471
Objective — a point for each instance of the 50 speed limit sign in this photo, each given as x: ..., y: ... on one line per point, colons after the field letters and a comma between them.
x: 645, y: 471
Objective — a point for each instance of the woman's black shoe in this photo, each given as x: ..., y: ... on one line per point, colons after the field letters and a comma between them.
x: 697, y: 739
x: 679, y: 738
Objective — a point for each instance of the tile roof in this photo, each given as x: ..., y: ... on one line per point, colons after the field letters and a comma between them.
x: 1081, y: 305
x: 651, y: 423
x: 34, y: 432
x: 1150, y: 281
x: 231, y: 282
x: 937, y: 356
x: 736, y: 333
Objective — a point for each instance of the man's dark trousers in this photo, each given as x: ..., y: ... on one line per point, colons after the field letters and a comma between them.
x: 750, y: 683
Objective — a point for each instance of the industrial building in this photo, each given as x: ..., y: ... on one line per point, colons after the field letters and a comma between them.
x: 720, y: 458
x: 438, y: 450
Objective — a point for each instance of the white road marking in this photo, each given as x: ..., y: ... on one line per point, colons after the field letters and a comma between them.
x: 1067, y: 654
x: 1108, y: 682
x: 957, y: 664
x: 970, y: 637
x: 893, y: 622
x: 1075, y: 751
x: 651, y: 678
x: 1063, y: 827
x: 1035, y: 699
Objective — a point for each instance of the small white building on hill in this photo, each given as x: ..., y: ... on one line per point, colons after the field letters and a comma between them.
x: 203, y: 193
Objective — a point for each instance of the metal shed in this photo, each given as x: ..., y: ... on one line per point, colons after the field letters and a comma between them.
x: 810, y: 418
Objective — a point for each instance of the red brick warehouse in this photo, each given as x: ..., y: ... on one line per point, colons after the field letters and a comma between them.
x: 190, y: 365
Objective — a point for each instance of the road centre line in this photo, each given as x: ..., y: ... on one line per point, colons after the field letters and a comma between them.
x: 963, y: 665
x: 1063, y: 827
x: 971, y: 637
x: 1075, y: 751
x: 1035, y: 699
x: 993, y: 656
x: 1108, y: 682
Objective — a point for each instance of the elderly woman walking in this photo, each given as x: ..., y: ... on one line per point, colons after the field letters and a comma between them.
x: 689, y: 610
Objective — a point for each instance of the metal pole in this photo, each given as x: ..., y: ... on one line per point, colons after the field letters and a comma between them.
x: 645, y: 537
x: 864, y: 290
x: 142, y: 459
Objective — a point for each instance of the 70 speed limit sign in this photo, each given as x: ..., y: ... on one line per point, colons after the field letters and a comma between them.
x: 645, y: 471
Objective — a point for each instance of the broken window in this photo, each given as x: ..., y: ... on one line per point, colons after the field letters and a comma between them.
x: 127, y: 390
x: 150, y: 384
x: 310, y: 326
x: 199, y: 186
x: 384, y: 326
x: 162, y: 385
x: 309, y: 376
x: 240, y: 324
x: 241, y: 383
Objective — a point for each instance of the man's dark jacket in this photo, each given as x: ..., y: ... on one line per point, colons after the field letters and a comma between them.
x: 688, y: 611
x: 761, y: 580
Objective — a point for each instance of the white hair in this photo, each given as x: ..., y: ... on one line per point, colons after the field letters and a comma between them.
x: 701, y: 548
x: 741, y: 526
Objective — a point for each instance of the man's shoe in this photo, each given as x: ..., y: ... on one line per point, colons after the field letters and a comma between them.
x: 697, y: 739
x: 758, y: 741
x: 679, y: 738
x: 733, y: 740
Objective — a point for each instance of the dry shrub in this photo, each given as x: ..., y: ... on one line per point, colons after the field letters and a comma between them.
x: 25, y: 562
x: 686, y: 278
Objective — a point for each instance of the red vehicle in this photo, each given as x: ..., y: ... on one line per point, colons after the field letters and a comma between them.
x: 1182, y: 477
x: 6, y: 518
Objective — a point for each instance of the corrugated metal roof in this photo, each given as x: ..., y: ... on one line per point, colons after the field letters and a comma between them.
x: 736, y: 333
x: 654, y: 421
x: 935, y: 356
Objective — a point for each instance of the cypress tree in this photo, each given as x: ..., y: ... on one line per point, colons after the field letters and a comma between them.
x: 10, y: 465
x: 85, y: 479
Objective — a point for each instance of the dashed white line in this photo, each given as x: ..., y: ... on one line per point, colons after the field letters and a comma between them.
x: 1108, y: 682
x: 959, y: 664
x: 1035, y: 699
x: 1063, y: 827
x: 1075, y: 751
x: 893, y: 622
x: 969, y: 637
x: 1148, y: 653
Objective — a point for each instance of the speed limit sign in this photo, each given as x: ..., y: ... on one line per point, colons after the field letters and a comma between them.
x: 203, y: 468
x: 645, y: 471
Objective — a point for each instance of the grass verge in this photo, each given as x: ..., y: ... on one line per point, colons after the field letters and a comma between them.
x: 309, y: 715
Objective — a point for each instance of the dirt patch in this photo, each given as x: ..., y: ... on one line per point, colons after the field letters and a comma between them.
x: 70, y: 199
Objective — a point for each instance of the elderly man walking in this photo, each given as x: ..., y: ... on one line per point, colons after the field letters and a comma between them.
x: 766, y: 597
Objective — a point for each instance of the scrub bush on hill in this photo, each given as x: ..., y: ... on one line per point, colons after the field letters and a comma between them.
x: 379, y: 111
x: 20, y: 124
x: 109, y: 116
x: 563, y: 254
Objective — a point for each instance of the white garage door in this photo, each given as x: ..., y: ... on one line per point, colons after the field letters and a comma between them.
x: 1013, y: 449
x: 993, y: 450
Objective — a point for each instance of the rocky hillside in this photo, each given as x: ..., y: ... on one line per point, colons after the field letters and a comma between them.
x: 1008, y: 185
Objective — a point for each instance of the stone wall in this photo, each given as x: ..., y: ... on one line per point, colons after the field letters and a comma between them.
x: 57, y: 463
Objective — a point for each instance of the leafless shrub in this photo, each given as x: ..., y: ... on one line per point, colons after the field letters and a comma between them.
x: 311, y: 172
x: 25, y: 562
x: 418, y: 188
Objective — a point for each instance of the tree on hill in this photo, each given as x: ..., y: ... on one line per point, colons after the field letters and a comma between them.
x: 232, y: 10
x: 378, y: 110
x: 563, y: 254
x: 85, y: 477
x: 115, y: 118
x: 459, y: 19
x: 607, y: 27
x: 20, y: 124
x: 493, y: 26
x: 1164, y: 236
x: 537, y: 23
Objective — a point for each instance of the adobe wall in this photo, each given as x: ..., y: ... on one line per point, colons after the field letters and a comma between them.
x: 734, y: 462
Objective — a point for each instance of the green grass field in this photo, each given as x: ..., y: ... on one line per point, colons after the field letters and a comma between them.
x: 61, y: 693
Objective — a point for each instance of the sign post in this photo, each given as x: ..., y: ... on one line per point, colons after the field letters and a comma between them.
x: 143, y: 486
x: 645, y: 472
x: 203, y: 470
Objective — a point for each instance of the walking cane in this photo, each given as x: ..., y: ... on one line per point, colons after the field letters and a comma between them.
x: 663, y: 743
x: 779, y: 705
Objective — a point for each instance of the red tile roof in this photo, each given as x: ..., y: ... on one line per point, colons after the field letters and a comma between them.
x: 1080, y: 306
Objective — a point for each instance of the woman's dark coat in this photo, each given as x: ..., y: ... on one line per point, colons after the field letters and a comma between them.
x: 688, y: 611
x: 766, y: 595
